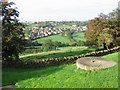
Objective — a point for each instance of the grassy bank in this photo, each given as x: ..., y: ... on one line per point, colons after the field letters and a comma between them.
x: 63, y: 76
x: 61, y: 52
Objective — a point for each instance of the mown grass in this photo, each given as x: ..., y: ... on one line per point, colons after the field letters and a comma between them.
x: 63, y: 76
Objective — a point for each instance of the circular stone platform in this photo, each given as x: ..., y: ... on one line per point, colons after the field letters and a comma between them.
x: 93, y: 63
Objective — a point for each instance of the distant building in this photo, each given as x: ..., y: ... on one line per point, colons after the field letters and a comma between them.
x: 74, y: 25
x: 84, y: 28
x: 35, y: 29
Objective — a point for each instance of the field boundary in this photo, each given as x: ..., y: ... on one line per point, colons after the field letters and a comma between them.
x: 57, y: 61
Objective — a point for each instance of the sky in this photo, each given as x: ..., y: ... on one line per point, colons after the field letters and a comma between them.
x: 63, y: 10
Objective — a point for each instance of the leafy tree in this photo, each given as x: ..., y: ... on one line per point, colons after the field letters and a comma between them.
x: 116, y: 28
x: 81, y: 43
x: 12, y: 33
x: 83, y: 23
x: 94, y: 28
x: 104, y: 30
x: 69, y: 34
x: 49, y: 45
x: 113, y: 23
x: 41, y: 24
x: 105, y: 38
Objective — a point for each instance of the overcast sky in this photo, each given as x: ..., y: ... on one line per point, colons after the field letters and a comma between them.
x: 63, y: 10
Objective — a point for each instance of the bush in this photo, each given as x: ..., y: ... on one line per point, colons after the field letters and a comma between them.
x: 30, y: 43
x: 73, y: 44
x: 80, y: 43
x: 49, y: 45
x: 33, y: 49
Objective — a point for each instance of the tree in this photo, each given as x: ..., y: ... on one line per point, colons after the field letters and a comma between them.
x: 49, y: 45
x: 12, y: 33
x: 114, y: 25
x: 69, y: 34
x: 105, y: 30
x: 95, y: 26
x: 105, y: 38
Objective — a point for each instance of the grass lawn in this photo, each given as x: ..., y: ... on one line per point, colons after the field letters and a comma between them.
x: 63, y: 76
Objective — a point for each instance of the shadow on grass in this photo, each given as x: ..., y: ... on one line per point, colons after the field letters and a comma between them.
x: 59, y: 54
x: 65, y: 54
x: 10, y: 76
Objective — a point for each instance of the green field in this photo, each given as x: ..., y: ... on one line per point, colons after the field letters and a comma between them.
x: 79, y: 36
x: 61, y: 52
x: 63, y: 39
x: 58, y: 38
x: 63, y: 76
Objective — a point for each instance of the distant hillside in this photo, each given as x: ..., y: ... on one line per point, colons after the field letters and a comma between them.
x: 77, y: 36
x: 58, y: 38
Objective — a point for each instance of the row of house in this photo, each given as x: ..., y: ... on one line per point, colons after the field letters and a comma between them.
x: 41, y: 32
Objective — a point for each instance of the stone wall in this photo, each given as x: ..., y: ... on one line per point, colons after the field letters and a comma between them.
x: 58, y: 61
